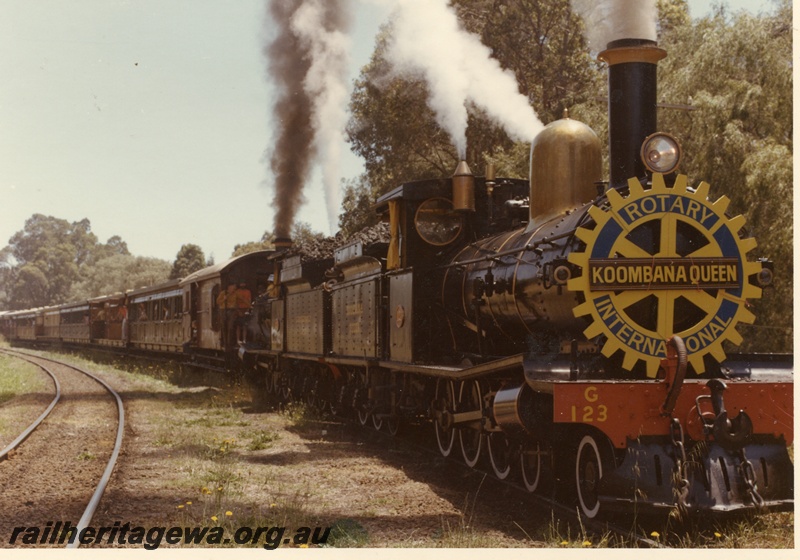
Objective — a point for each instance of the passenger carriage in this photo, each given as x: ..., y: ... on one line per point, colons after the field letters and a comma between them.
x: 74, y: 323
x: 108, y: 315
x: 155, y: 316
x: 203, y: 328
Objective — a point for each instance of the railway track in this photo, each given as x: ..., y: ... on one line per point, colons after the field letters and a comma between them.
x: 56, y: 458
x: 11, y: 447
x: 421, y: 438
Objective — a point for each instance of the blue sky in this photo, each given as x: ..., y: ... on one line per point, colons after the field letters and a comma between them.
x: 151, y: 118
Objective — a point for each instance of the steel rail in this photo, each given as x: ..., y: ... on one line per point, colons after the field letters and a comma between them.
x: 29, y: 430
x: 88, y: 513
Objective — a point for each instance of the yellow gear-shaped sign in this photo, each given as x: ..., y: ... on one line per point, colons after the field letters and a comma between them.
x: 662, y: 262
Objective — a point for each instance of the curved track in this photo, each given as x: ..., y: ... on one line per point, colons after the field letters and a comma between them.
x: 4, y: 453
x: 76, y: 393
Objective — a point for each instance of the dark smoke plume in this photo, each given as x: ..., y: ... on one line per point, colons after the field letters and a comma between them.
x: 288, y: 64
x: 308, y: 62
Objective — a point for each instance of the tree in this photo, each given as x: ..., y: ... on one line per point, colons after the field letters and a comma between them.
x: 357, y: 201
x: 45, y: 258
x: 119, y: 273
x: 43, y: 261
x: 736, y: 73
x: 396, y: 133
x: 114, y: 246
x: 543, y: 43
x: 190, y: 258
x: 266, y: 243
x: 302, y: 234
x: 392, y: 127
x: 30, y: 287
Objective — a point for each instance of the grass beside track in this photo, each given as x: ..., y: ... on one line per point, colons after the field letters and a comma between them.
x: 19, y: 378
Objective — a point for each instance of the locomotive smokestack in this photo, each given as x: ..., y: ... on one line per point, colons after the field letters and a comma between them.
x: 282, y: 243
x: 632, y: 65
x: 463, y: 188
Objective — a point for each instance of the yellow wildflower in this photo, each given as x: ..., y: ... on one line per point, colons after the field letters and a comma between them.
x: 655, y: 534
x: 718, y: 535
x: 587, y: 543
x: 180, y: 506
x: 228, y: 513
x: 214, y: 518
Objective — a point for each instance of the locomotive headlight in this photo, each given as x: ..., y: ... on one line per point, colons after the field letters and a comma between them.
x: 661, y: 153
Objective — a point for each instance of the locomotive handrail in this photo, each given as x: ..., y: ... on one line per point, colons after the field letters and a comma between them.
x: 456, y: 373
x: 528, y: 247
x: 507, y: 252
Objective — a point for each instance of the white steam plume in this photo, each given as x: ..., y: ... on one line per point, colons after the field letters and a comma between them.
x: 321, y: 27
x: 429, y: 41
x: 609, y: 20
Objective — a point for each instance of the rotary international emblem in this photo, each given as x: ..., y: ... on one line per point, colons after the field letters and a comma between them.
x: 661, y: 262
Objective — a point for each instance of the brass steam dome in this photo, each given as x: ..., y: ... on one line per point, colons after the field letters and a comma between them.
x: 565, y: 165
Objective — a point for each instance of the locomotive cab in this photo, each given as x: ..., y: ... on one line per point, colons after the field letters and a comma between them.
x: 429, y: 222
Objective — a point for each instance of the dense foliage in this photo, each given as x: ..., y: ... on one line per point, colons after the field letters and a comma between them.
x: 52, y: 261
x: 395, y: 131
x: 190, y: 259
x: 41, y: 262
x: 735, y: 71
x: 119, y: 273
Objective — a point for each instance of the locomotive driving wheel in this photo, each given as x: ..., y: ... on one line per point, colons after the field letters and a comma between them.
x: 393, y: 424
x: 283, y: 389
x: 592, y: 459
x: 470, y: 435
x: 361, y: 402
x: 310, y: 392
x: 269, y: 382
x: 531, y: 465
x: 500, y: 454
x: 330, y: 397
x: 444, y: 406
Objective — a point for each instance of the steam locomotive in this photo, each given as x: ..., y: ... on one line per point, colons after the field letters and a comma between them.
x: 568, y: 331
